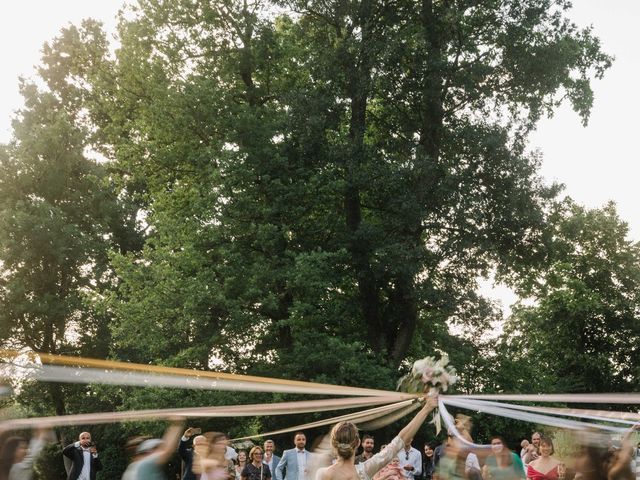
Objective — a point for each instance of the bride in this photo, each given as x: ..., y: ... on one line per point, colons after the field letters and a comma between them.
x: 345, y: 441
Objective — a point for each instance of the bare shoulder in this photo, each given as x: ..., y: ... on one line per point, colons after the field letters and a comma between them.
x: 323, y: 474
x: 337, y: 472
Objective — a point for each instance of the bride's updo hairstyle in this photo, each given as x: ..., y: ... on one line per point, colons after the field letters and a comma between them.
x: 345, y: 439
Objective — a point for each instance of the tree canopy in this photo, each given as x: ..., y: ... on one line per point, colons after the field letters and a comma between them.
x: 328, y: 175
x: 311, y: 190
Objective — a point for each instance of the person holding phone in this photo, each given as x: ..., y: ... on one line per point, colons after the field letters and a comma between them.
x: 191, y: 437
x: 410, y: 461
x: 83, y: 455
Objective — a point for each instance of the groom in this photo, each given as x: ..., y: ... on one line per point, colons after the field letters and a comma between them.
x: 294, y: 464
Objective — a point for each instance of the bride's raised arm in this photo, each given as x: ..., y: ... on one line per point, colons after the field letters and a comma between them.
x: 379, y: 460
x: 408, y: 432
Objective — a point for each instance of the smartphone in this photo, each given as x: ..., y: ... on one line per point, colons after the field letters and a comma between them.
x: 197, y: 431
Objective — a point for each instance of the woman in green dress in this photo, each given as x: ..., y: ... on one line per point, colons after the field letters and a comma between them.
x: 503, y: 464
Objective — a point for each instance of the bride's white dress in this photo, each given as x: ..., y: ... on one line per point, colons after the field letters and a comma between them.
x: 366, y: 470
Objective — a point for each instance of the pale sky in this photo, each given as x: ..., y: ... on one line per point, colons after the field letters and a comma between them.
x: 597, y: 163
x: 24, y: 27
x: 600, y: 162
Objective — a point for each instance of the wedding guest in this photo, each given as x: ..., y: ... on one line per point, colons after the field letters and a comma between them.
x: 502, y: 463
x: 152, y: 454
x: 392, y: 471
x: 230, y: 452
x: 411, y: 461
x: 83, y: 454
x: 458, y: 460
x: 533, y: 450
x: 524, y: 445
x: 428, y: 464
x: 440, y: 450
x: 545, y: 467
x: 241, y: 462
x: 367, y: 449
x: 256, y: 469
x: 190, y: 438
x: 589, y: 462
x: 294, y: 462
x: 17, y: 457
x: 210, y: 460
x: 132, y: 443
x: 270, y: 457
x: 619, y: 464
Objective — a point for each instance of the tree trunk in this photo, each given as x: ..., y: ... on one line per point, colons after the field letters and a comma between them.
x: 359, y: 72
x: 427, y: 174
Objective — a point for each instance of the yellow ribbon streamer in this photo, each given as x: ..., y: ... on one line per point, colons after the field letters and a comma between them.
x: 295, y: 386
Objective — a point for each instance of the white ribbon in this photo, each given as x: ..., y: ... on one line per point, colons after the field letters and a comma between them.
x: 599, y: 415
x: 86, y: 375
x: 123, y: 373
x: 283, y: 408
x: 82, y: 370
x: 358, y: 418
x: 620, y: 398
x: 451, y: 427
x: 387, y: 419
x: 470, y: 404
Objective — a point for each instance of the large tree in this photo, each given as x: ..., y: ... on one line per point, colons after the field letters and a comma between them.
x: 323, y: 177
x: 352, y: 168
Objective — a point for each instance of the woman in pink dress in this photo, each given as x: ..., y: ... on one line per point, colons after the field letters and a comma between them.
x: 545, y: 467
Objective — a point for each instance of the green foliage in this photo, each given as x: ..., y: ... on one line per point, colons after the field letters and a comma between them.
x: 49, y: 465
x: 307, y: 190
x: 566, y: 444
x: 581, y: 333
x: 58, y: 218
x: 320, y: 181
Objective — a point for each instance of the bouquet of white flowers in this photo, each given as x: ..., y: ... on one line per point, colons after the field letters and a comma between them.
x: 429, y: 375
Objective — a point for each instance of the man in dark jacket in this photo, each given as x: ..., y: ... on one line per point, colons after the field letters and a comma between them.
x: 83, y: 455
x: 189, y: 439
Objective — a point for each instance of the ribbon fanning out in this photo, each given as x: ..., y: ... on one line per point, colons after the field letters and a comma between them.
x: 381, y: 407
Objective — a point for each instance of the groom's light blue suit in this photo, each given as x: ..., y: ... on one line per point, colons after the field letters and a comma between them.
x: 287, y: 468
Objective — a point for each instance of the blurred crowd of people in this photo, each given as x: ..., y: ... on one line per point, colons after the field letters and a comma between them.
x: 209, y: 456
x: 594, y: 457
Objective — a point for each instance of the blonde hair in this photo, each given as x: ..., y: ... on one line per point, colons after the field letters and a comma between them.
x: 345, y: 439
x: 253, y: 451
